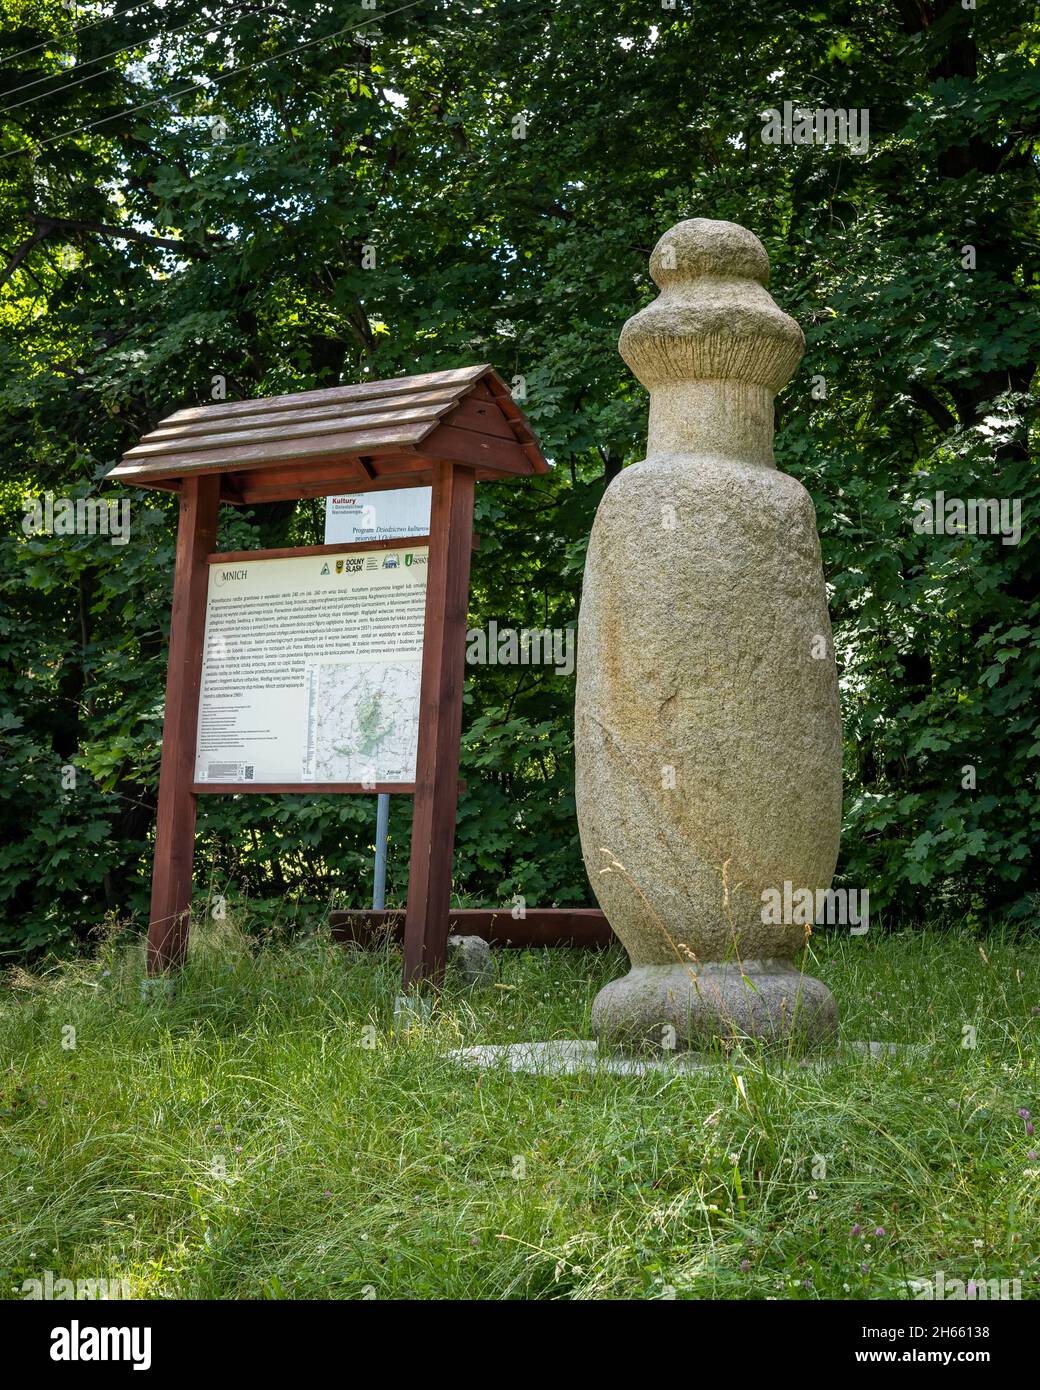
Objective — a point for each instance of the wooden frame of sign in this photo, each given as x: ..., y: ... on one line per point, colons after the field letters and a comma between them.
x: 447, y: 430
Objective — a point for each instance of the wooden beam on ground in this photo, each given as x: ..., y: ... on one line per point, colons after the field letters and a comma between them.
x: 550, y: 926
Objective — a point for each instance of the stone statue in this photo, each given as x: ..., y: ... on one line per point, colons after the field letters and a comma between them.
x: 707, y: 727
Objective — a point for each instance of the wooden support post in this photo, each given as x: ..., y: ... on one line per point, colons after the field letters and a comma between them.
x: 175, y: 821
x: 440, y: 724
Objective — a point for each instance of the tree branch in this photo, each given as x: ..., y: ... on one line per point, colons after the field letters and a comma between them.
x: 46, y: 224
x: 19, y: 255
x: 930, y: 403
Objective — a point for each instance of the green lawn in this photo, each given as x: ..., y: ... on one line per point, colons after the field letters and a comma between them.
x: 266, y: 1134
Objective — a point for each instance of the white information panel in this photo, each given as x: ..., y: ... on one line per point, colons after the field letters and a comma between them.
x: 311, y: 669
x: 378, y: 516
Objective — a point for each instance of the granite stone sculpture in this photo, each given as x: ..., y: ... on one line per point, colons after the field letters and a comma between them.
x: 707, y: 726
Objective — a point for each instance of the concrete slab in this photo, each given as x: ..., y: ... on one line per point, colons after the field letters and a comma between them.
x: 567, y: 1056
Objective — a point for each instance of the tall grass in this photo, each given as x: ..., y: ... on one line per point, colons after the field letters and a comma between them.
x: 268, y: 1133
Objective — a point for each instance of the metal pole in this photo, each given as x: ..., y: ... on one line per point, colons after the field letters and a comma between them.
x: 382, y: 827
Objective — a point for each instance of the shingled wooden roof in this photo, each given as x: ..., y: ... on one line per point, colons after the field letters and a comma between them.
x: 374, y: 435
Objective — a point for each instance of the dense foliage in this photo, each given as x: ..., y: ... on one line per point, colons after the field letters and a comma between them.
x: 195, y: 205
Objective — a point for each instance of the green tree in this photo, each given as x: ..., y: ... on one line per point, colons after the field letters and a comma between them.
x: 192, y: 201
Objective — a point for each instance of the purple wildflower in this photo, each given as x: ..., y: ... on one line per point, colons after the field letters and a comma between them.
x: 856, y: 1230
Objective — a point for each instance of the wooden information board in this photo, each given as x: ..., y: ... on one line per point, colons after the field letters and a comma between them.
x: 443, y: 430
x: 311, y: 670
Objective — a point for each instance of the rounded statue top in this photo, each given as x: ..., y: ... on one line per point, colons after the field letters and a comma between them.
x: 714, y: 318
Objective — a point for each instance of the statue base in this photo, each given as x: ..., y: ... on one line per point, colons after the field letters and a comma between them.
x: 693, y: 1007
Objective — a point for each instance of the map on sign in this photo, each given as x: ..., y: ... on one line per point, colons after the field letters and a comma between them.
x: 311, y: 669
x: 363, y: 721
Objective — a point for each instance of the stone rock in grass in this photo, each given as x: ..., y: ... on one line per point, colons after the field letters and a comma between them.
x: 157, y: 989
x: 470, y: 958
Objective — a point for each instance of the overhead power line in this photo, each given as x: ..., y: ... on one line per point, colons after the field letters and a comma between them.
x: 82, y: 28
x: 212, y: 81
x: 63, y: 87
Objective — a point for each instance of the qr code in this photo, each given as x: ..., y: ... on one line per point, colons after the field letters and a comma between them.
x: 247, y: 772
